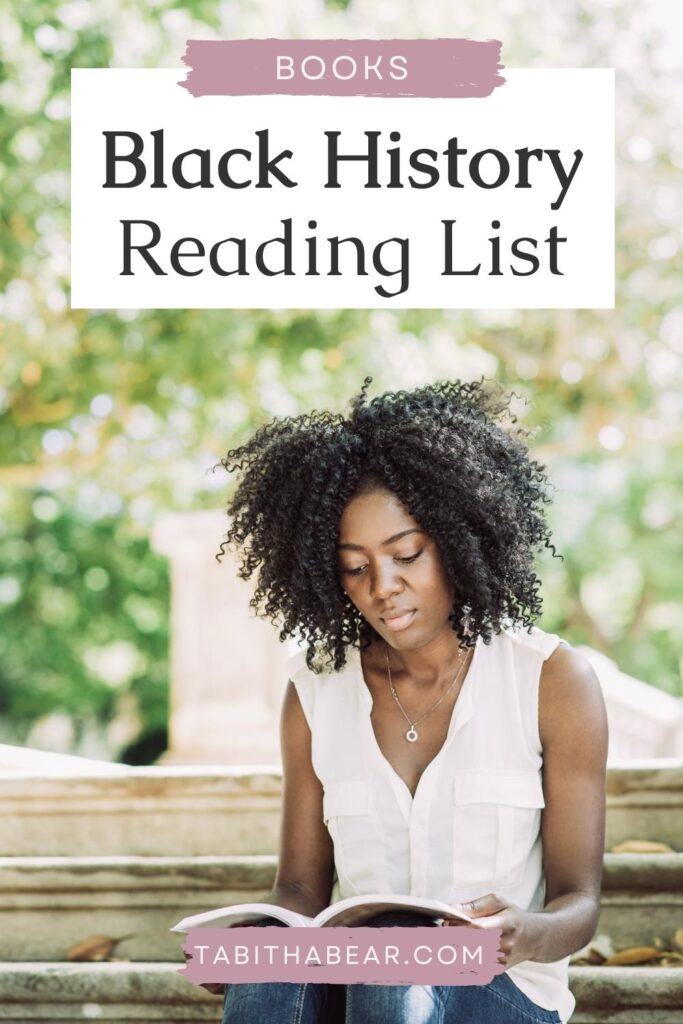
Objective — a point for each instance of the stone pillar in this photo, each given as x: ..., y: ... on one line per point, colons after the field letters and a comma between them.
x: 228, y: 669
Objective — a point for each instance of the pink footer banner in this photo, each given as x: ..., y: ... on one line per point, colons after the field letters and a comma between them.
x: 438, y: 68
x: 379, y: 956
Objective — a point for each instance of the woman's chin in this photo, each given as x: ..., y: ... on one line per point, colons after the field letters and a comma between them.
x: 414, y: 636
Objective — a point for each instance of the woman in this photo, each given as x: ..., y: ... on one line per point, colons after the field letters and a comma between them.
x: 434, y: 742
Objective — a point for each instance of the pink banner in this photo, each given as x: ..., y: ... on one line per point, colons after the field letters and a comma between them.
x: 439, y: 68
x: 379, y: 956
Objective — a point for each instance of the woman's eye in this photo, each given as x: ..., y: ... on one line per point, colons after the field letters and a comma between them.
x: 409, y: 559
x: 360, y: 569
x: 355, y: 572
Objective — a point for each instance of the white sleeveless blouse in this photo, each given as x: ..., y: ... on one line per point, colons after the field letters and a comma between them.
x: 473, y: 826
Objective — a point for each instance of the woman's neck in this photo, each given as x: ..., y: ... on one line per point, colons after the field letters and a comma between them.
x: 427, y: 667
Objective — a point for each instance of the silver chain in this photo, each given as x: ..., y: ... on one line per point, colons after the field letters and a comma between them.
x: 412, y: 734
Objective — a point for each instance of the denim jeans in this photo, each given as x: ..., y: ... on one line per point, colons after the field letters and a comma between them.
x: 499, y: 1002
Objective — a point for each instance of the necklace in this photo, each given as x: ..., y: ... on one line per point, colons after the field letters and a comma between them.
x: 412, y: 735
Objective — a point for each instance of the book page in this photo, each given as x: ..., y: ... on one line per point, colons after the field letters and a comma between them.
x: 357, y: 910
x: 243, y: 913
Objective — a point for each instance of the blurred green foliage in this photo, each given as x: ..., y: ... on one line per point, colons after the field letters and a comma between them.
x: 110, y: 419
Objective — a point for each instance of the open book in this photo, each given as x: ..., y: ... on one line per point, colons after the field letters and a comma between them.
x: 354, y: 911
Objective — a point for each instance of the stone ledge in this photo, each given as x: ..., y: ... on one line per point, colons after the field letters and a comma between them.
x: 144, y: 874
x: 112, y: 993
x: 642, y: 871
x: 17, y: 760
x: 642, y: 898
x: 47, y: 904
x: 657, y: 773
x: 627, y: 995
x: 623, y: 777
x: 645, y: 801
x: 145, y: 779
x: 116, y: 993
x: 174, y: 811
x: 662, y: 872
x: 192, y: 811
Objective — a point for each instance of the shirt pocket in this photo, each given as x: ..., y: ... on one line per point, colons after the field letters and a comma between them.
x: 347, y: 815
x: 496, y: 822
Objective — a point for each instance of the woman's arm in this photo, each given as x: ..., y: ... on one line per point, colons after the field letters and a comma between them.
x: 306, y: 862
x: 573, y: 730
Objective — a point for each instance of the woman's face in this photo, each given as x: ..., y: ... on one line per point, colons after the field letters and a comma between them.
x: 392, y: 571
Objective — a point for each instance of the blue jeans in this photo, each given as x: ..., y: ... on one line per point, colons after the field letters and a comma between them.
x: 499, y: 1002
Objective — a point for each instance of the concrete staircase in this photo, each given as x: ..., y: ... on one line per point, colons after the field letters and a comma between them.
x: 126, y: 856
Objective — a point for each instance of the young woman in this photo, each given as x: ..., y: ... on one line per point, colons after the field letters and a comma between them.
x: 434, y: 742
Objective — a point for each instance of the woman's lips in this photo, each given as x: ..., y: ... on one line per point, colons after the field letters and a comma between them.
x: 398, y: 622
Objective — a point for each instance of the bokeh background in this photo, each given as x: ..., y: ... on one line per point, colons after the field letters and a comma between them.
x: 111, y: 419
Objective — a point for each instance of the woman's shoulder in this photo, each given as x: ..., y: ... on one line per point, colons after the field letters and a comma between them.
x: 562, y: 667
x: 319, y: 674
x: 531, y: 639
x: 571, y: 701
x: 319, y: 684
x: 296, y: 665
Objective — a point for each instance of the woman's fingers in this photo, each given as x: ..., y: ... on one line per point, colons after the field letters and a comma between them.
x: 216, y: 988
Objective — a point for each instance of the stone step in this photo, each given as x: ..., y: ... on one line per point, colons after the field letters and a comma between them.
x: 172, y: 811
x: 194, y: 811
x: 48, y: 904
x: 642, y: 898
x: 627, y: 995
x: 119, y: 993
x: 645, y: 801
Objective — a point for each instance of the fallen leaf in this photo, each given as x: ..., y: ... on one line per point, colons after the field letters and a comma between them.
x: 602, y: 945
x: 672, y: 959
x: 678, y: 939
x: 634, y: 955
x: 94, y: 949
x: 642, y: 846
x: 596, y: 952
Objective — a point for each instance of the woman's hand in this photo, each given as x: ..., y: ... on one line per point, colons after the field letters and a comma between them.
x: 519, y: 928
x: 216, y: 988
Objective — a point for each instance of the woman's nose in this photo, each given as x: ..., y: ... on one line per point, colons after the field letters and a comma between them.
x: 385, y: 582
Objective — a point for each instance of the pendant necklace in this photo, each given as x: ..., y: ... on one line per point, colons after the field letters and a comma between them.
x: 412, y: 734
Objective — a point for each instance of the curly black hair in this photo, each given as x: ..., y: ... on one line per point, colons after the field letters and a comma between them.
x: 444, y: 451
